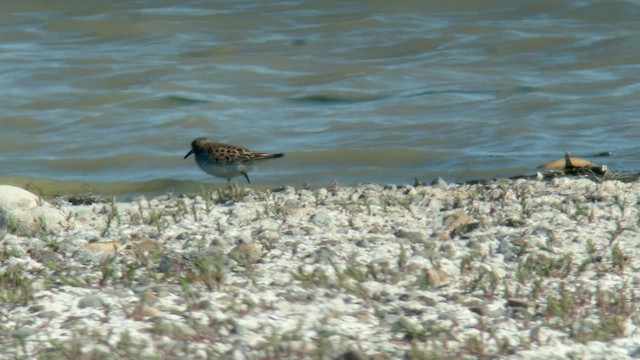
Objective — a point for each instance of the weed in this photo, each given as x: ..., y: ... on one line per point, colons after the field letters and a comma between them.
x: 279, y: 345
x: 618, y: 259
x: 542, y: 265
x: 112, y: 214
x: 402, y: 258
x: 309, y: 279
x: 356, y: 273
x: 434, y: 352
x: 467, y: 261
x: 580, y: 212
x: 7, y: 252
x: 12, y: 224
x: 485, y: 280
x: 15, y: 288
x: 475, y: 346
x: 42, y: 228
x: 232, y: 193
x: 210, y: 270
x: 526, y: 209
x: 51, y: 244
x: 107, y: 269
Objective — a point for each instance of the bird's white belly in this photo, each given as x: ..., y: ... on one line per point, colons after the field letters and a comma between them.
x: 224, y: 171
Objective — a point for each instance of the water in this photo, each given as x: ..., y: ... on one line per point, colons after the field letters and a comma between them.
x: 106, y: 96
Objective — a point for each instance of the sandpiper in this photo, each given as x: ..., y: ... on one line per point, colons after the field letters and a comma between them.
x: 225, y: 161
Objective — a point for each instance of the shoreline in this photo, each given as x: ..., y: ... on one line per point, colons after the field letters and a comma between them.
x: 126, y: 191
x: 509, y: 268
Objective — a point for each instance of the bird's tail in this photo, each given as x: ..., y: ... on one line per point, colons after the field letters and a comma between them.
x: 269, y: 156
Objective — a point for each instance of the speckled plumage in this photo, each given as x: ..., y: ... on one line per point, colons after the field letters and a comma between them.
x: 223, y: 160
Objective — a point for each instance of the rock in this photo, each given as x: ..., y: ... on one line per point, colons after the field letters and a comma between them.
x: 36, y: 308
x: 91, y: 301
x: 362, y: 243
x: 517, y: 303
x: 413, y: 308
x: 322, y: 255
x: 480, y: 310
x: 85, y: 199
x: 321, y: 218
x: 439, y: 182
x: 24, y: 213
x: 23, y: 332
x: 106, y: 247
x: 436, y: 278
x: 145, y: 311
x: 427, y: 299
x: 246, y: 253
x: 459, y: 223
x: 47, y: 256
x: 442, y: 236
x: 48, y: 314
x: 413, y: 236
x: 352, y: 355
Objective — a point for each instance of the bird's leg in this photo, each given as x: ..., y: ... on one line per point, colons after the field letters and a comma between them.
x: 246, y: 176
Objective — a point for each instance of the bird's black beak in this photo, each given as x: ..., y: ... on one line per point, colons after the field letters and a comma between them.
x: 189, y: 153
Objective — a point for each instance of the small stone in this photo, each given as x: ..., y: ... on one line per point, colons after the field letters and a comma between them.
x: 322, y: 255
x: 163, y: 293
x: 149, y: 311
x: 91, y: 301
x: 474, y: 244
x: 459, y: 222
x: 48, y: 256
x: 322, y: 218
x: 414, y: 267
x: 289, y: 210
x: 480, y: 310
x: 246, y: 253
x: 472, y: 302
x: 413, y: 308
x: 292, y: 203
x: 517, y: 303
x: 513, y: 222
x: 48, y: 314
x: 36, y: 308
x: 436, y: 278
x: 442, y: 236
x: 23, y: 332
x: 428, y: 300
x: 148, y: 296
x: 106, y: 247
x: 168, y: 263
x: 413, y: 236
x: 144, y: 245
x: 203, y: 305
x: 352, y: 355
x: 439, y: 183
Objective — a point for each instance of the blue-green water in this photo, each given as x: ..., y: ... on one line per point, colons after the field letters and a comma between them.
x: 111, y: 93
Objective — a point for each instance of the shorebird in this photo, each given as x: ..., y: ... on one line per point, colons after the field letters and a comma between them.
x: 225, y: 161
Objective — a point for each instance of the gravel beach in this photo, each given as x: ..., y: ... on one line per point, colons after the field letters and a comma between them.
x: 506, y: 269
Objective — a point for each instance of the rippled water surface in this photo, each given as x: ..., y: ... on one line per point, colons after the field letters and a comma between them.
x: 108, y: 95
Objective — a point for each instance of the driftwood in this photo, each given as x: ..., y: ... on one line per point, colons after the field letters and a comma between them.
x: 573, y: 166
